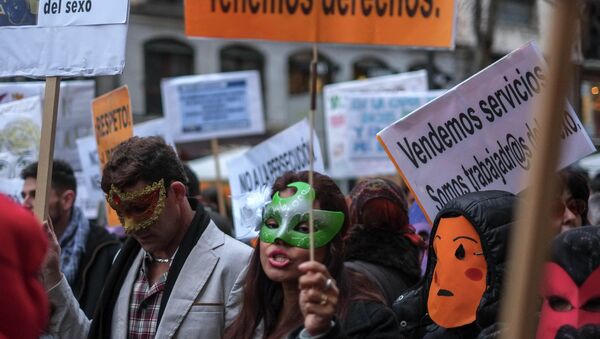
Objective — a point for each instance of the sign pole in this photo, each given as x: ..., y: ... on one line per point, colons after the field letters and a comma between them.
x: 311, y: 123
x: 214, y: 143
x: 44, y: 174
x: 532, y: 234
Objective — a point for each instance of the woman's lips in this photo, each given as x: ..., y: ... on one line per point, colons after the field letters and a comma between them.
x: 279, y: 259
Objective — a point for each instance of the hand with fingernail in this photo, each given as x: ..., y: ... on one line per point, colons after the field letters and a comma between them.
x: 51, y: 274
x: 318, y: 297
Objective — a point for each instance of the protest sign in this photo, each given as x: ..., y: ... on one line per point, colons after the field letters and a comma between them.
x: 410, y: 81
x: 480, y: 135
x: 352, y: 119
x: 20, y: 128
x: 357, y: 110
x: 209, y: 106
x: 388, y: 22
x: 113, y: 124
x: 62, y: 37
x: 73, y: 113
x: 259, y: 167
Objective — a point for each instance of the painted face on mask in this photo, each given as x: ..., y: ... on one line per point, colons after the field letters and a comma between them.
x: 287, y: 219
x: 565, y: 303
x: 139, y: 209
x: 459, y: 277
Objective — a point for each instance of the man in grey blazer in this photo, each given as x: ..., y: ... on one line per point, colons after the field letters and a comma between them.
x: 177, y: 275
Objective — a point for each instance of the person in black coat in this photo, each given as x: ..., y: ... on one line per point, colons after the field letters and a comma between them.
x: 381, y: 244
x: 460, y: 293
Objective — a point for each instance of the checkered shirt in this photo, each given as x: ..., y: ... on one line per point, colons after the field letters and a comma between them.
x: 145, y: 304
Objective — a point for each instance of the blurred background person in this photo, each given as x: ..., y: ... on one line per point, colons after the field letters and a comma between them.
x: 573, y: 206
x: 193, y: 188
x: 381, y: 244
x: 594, y: 209
x: 87, y: 250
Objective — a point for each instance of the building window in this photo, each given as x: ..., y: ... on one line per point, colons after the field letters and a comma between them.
x: 243, y: 58
x: 516, y: 12
x: 591, y: 30
x: 164, y: 58
x: 299, y: 72
x: 370, y: 67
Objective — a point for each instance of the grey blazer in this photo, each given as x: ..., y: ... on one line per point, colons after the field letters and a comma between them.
x: 206, y: 296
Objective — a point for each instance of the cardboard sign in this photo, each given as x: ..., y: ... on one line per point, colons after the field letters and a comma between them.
x: 62, y: 37
x: 388, y: 22
x: 357, y: 110
x: 410, y: 81
x: 261, y: 165
x: 20, y: 128
x: 73, y: 113
x: 353, y: 118
x: 480, y: 135
x: 113, y: 124
x: 209, y: 106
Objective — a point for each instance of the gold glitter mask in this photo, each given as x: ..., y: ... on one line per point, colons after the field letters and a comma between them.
x: 140, y: 209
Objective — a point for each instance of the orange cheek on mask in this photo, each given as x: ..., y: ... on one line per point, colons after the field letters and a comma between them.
x: 459, y: 279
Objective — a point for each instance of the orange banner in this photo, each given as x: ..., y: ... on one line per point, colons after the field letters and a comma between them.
x: 113, y: 124
x: 418, y: 23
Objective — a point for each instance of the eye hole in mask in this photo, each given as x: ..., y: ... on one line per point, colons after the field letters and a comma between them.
x: 592, y: 305
x: 560, y: 304
x: 460, y: 252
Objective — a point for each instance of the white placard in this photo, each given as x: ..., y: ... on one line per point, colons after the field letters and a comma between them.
x: 209, y: 106
x: 81, y: 12
x: 409, y: 81
x: 20, y: 131
x: 74, y: 115
x: 90, y: 177
x: 480, y: 135
x: 262, y: 164
x: 352, y: 121
x: 85, y: 44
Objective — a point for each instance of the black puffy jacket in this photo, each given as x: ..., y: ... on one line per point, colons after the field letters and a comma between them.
x: 491, y: 213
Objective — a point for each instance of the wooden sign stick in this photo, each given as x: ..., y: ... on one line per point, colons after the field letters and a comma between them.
x: 214, y: 143
x: 44, y: 174
x: 311, y: 160
x: 533, y: 232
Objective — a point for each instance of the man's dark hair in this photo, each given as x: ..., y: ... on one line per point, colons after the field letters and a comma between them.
x: 577, y: 184
x: 63, y: 177
x: 193, y: 185
x: 148, y: 159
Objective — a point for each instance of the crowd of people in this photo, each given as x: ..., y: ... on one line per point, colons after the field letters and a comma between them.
x: 379, y: 269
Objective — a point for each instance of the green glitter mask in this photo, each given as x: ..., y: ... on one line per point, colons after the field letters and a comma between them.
x: 284, y: 217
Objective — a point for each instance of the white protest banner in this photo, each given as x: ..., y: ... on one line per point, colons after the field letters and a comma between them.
x: 409, y: 81
x: 210, y: 106
x: 45, y: 38
x: 480, y: 135
x: 73, y: 112
x: 90, y: 176
x: 20, y: 126
x: 81, y: 12
x: 352, y: 119
x: 261, y: 165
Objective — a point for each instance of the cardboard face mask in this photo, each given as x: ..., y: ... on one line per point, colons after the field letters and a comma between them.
x: 287, y: 219
x: 459, y: 277
x: 565, y: 303
x: 140, y: 209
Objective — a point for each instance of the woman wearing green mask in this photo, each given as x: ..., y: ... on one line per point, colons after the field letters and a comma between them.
x: 285, y: 294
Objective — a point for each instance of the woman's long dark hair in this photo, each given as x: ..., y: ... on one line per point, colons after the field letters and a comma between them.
x: 263, y: 298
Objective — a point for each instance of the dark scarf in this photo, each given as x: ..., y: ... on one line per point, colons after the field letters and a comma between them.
x: 101, y: 324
